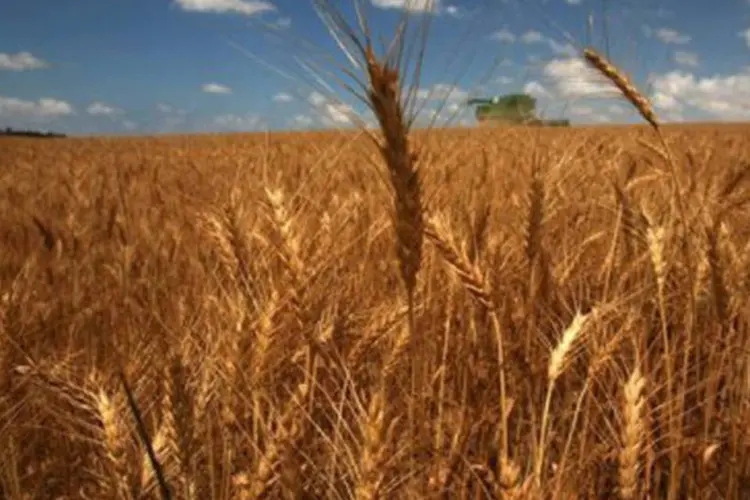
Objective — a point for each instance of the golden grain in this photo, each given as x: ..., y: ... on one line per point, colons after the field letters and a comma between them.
x: 202, y: 311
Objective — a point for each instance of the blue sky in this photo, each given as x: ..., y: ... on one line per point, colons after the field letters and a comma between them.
x: 163, y: 66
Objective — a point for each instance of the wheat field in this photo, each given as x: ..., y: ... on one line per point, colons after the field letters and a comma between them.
x: 572, y: 334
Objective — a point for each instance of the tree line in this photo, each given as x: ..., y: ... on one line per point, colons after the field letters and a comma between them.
x: 8, y: 131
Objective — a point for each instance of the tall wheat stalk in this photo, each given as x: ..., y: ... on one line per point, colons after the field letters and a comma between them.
x: 642, y: 104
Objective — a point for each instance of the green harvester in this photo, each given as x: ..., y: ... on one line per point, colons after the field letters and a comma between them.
x: 512, y: 109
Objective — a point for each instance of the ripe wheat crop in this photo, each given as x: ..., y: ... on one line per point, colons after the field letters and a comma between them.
x: 250, y: 289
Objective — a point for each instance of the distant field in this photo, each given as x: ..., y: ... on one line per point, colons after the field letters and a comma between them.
x: 249, y: 287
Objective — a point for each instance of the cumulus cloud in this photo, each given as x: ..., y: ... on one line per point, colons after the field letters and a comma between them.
x: 317, y: 99
x: 562, y: 49
x: 332, y: 113
x: 302, y: 121
x: 282, y: 97
x: 102, y: 109
x: 237, y: 123
x: 685, y: 58
x: 671, y: 36
x: 216, y: 88
x: 446, y: 113
x: 746, y: 35
x: 453, y: 11
x: 581, y: 110
x: 442, y: 92
x: 535, y: 89
x: 420, y: 7
x: 21, y: 61
x: 172, y: 118
x: 244, y: 7
x: 573, y: 2
x: 572, y: 77
x: 593, y: 114
x: 532, y: 37
x: 282, y: 23
x: 168, y: 109
x: 503, y: 35
x: 722, y: 97
x: 45, y: 107
x: 409, y: 5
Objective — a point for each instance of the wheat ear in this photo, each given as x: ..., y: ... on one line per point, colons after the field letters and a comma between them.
x: 623, y: 84
x: 632, y: 434
x: 385, y: 101
x: 558, y: 360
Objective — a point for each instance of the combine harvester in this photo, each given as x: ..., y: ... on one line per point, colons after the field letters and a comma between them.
x: 512, y: 109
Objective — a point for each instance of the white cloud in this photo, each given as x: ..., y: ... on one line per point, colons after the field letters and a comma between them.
x: 668, y: 35
x: 245, y: 7
x: 43, y: 108
x: 129, y: 125
x: 216, y: 88
x: 447, y: 113
x: 101, y: 109
x: 503, y: 35
x: 168, y: 109
x: 532, y: 37
x: 535, y: 89
x: 338, y: 114
x: 723, y: 97
x: 685, y: 58
x: 746, y: 35
x: 164, y: 108
x: 282, y: 97
x: 333, y: 113
x: 282, y: 23
x: 504, y: 80
x: 453, y: 11
x: 573, y: 2
x: 453, y: 107
x: 581, y: 110
x: 562, y: 49
x: 410, y: 5
x: 420, y: 6
x: 316, y: 98
x: 21, y: 61
x: 572, y: 77
x: 237, y: 123
x: 172, y: 123
x: 302, y: 121
x: 443, y: 92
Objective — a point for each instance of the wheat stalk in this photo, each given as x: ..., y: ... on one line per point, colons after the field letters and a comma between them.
x: 474, y: 282
x: 115, y: 438
x: 375, y: 448
x: 178, y: 427
x: 632, y: 436
x: 558, y: 360
x: 279, y: 446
